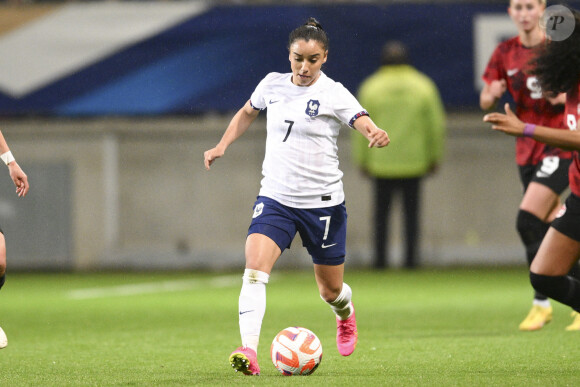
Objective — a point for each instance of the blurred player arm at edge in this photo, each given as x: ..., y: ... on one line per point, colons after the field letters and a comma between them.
x: 238, y: 126
x: 510, y: 124
x: 16, y: 174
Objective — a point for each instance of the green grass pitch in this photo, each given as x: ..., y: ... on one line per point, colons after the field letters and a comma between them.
x: 448, y: 327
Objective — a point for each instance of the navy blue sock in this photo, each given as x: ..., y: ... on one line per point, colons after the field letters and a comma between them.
x: 2, y: 280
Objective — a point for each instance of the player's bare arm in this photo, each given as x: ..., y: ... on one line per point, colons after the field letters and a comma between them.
x: 19, y: 178
x: 16, y: 173
x: 238, y: 126
x: 377, y: 137
x: 491, y: 93
x: 510, y: 124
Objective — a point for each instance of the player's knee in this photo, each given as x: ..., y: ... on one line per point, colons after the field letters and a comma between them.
x: 530, y: 228
x: 524, y: 221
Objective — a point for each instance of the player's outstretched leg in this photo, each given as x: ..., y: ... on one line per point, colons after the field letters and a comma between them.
x: 346, y: 334
x: 252, y: 307
x: 245, y: 360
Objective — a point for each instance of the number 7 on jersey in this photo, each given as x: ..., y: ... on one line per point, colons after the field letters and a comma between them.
x: 290, y: 123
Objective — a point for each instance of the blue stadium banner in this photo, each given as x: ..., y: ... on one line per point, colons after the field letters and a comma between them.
x: 175, y: 58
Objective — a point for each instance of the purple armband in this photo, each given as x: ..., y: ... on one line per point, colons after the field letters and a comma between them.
x: 529, y: 130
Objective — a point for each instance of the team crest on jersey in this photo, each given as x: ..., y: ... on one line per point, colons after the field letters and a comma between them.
x: 258, y: 210
x: 312, y: 107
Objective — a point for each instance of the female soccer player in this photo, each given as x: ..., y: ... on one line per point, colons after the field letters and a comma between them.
x: 543, y: 169
x: 558, y: 71
x: 21, y: 182
x: 301, y: 190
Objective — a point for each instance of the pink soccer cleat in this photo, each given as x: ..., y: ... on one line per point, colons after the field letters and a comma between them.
x: 346, y: 334
x: 245, y: 360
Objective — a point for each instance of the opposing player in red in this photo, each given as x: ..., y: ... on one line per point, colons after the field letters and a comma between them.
x: 558, y: 70
x: 543, y: 168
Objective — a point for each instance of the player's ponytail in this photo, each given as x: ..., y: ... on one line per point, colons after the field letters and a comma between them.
x: 557, y: 64
x: 311, y: 30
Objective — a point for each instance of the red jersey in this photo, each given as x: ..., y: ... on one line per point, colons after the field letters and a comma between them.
x: 572, y: 117
x: 509, y: 61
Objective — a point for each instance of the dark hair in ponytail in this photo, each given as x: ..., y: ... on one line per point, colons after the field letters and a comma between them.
x: 557, y: 66
x: 311, y: 30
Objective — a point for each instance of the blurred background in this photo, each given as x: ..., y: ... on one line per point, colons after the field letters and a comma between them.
x: 108, y: 107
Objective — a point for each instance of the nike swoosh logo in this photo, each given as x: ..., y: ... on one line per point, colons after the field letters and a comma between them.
x: 327, y: 246
x: 245, y: 311
x: 271, y: 102
x: 512, y: 72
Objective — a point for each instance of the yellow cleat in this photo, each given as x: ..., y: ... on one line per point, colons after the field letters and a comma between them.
x: 537, y: 318
x: 575, y: 326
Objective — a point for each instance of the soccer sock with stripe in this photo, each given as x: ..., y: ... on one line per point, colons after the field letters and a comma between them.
x: 252, y: 307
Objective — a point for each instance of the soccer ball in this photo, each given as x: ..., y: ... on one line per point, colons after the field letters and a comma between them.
x: 3, y: 339
x: 296, y: 351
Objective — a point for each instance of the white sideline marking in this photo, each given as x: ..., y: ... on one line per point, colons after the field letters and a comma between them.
x: 152, y: 287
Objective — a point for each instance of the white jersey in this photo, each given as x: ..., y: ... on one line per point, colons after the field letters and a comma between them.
x: 300, y: 167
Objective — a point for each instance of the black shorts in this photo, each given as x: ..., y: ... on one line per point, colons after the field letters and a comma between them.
x: 552, y: 172
x: 568, y: 219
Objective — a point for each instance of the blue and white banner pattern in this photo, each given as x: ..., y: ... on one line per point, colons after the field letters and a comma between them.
x: 156, y: 58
